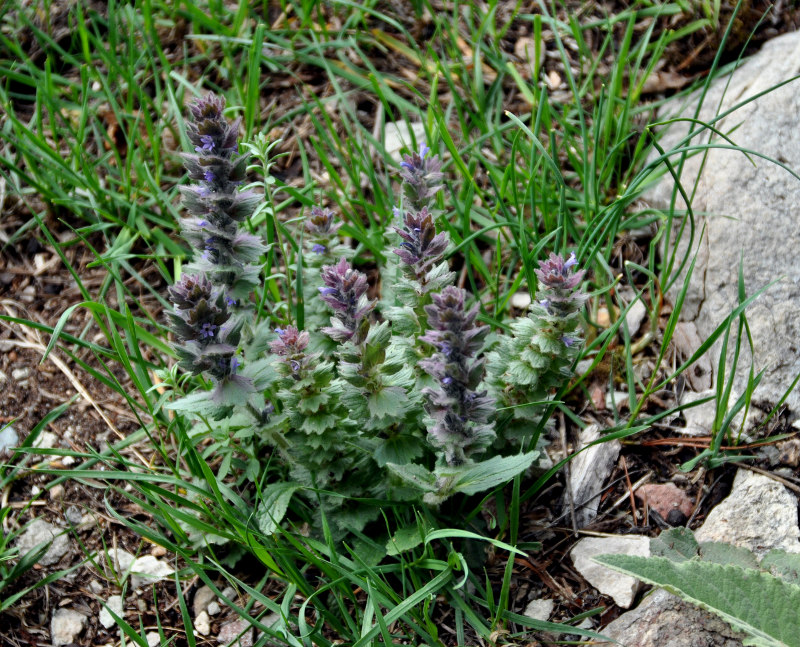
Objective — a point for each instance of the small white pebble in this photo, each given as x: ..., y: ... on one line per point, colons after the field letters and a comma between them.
x: 153, y: 639
x: 66, y: 461
x: 56, y: 492
x: 202, y: 624
x: 21, y: 373
x: 35, y: 490
x: 213, y: 608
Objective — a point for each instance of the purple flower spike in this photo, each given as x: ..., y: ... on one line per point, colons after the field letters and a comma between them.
x: 460, y: 412
x: 290, y: 342
x: 555, y: 272
x: 422, y: 247
x: 345, y: 292
x: 321, y: 222
x: 422, y: 177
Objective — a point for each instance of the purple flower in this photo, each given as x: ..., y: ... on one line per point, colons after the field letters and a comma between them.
x: 208, y: 176
x: 319, y: 249
x: 555, y: 272
x: 422, y: 247
x: 207, y: 144
x: 345, y: 292
x: 321, y: 222
x: 290, y: 341
x: 208, y: 330
x: 460, y: 412
x: 422, y: 177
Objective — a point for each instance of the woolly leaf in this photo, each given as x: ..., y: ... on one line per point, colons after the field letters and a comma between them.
x: 490, y: 473
x: 404, y: 539
x: 415, y: 475
x: 782, y: 564
x: 714, y: 551
x: 400, y: 449
x: 760, y: 604
x: 390, y: 402
x: 677, y: 544
x: 273, y: 505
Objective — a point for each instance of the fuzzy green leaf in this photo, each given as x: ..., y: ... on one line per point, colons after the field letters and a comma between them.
x: 273, y: 505
x: 763, y: 606
x: 415, y: 475
x: 677, y: 544
x: 389, y: 402
x: 782, y: 564
x: 490, y: 473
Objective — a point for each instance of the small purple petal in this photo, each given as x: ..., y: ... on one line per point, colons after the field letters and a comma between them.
x: 319, y: 249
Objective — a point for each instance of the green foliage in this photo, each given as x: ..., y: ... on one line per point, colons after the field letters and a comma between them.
x: 759, y: 599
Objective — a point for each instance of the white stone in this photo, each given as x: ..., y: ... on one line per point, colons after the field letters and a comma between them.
x: 153, y: 639
x: 636, y: 314
x: 147, y: 570
x: 588, y: 472
x: 20, y: 373
x: 398, y: 136
x: 699, y: 418
x: 121, y: 560
x: 521, y: 300
x: 46, y: 440
x: 8, y: 438
x: 622, y: 588
x: 213, y: 608
x: 65, y: 626
x: 40, y: 531
x: 114, y: 603
x: 759, y: 514
x: 202, y: 598
x: 750, y: 207
x: 202, y: 624
x: 539, y: 609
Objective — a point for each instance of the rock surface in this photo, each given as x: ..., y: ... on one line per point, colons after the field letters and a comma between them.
x: 539, y: 609
x: 622, y: 588
x: 759, y: 514
x: 588, y: 473
x: 41, y: 531
x: 8, y: 439
x: 664, y: 620
x: 752, y: 213
x: 65, y: 626
x: 202, y: 598
x: 230, y: 631
x: 147, y: 570
x: 114, y: 603
x: 665, y: 498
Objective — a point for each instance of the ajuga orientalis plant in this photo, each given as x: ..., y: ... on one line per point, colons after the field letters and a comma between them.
x: 390, y: 396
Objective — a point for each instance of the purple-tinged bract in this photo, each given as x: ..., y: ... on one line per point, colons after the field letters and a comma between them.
x: 460, y: 412
x: 345, y: 292
x: 422, y: 247
x: 422, y: 177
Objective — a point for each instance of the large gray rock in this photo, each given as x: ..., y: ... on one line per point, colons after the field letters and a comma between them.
x: 751, y: 209
x: 759, y: 514
x: 664, y: 620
